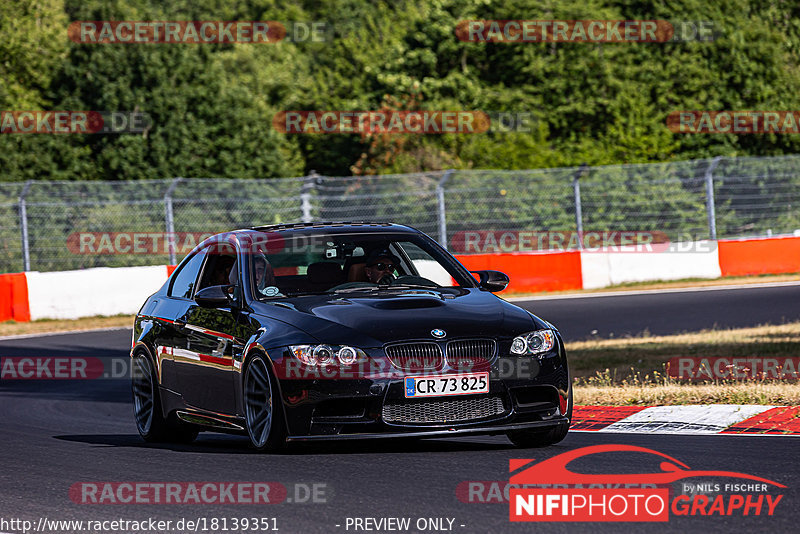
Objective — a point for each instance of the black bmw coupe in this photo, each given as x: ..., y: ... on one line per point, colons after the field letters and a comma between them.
x: 327, y: 331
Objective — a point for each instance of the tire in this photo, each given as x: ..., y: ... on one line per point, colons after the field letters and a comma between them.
x: 528, y: 439
x: 147, y: 410
x: 263, y: 412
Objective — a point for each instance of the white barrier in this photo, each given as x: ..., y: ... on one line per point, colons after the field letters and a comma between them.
x: 697, y: 260
x: 595, y: 270
x: 89, y: 292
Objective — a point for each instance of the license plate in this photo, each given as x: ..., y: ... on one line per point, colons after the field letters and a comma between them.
x: 442, y: 385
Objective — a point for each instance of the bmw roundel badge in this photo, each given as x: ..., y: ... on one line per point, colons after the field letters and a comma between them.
x: 438, y: 333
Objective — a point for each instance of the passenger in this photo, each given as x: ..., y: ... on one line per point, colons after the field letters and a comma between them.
x: 264, y: 277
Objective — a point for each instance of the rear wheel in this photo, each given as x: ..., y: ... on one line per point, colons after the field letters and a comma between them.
x: 263, y: 414
x: 527, y: 439
x: 150, y: 421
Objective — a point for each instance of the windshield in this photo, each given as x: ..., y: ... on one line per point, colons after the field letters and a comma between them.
x: 286, y: 265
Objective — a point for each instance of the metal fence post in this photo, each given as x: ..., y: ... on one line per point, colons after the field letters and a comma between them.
x: 710, y: 208
x: 23, y: 224
x: 305, y: 196
x: 170, y: 222
x: 576, y: 189
x: 442, y: 213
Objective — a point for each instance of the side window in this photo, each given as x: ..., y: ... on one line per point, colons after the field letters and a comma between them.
x: 426, y: 266
x: 184, y: 280
x: 217, y: 272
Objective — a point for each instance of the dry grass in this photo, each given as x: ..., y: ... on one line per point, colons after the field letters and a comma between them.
x: 13, y: 328
x: 648, y: 354
x: 631, y: 371
x: 770, y: 393
x: 671, y: 284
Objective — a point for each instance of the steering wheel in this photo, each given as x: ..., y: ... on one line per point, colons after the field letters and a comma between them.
x: 386, y: 280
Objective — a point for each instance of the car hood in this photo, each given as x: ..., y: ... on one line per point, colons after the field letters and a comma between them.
x: 373, y: 319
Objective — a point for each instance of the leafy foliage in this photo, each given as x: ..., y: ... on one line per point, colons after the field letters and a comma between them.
x: 212, y: 104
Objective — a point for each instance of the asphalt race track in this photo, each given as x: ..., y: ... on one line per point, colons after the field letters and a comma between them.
x: 667, y: 312
x: 56, y: 433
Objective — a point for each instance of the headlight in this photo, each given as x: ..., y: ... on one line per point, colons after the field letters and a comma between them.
x: 323, y: 355
x: 347, y: 355
x: 537, y: 342
x: 326, y: 354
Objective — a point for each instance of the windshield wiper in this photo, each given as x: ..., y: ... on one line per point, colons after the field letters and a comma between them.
x: 417, y: 286
x: 385, y: 288
x: 354, y: 289
x: 303, y: 293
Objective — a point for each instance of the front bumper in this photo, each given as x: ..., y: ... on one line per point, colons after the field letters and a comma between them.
x: 434, y: 433
x: 329, y: 409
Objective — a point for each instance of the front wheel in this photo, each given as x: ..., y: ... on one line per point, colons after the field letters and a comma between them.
x: 262, y: 408
x: 150, y: 420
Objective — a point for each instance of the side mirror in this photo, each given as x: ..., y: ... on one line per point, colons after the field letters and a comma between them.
x: 214, y: 297
x: 493, y: 281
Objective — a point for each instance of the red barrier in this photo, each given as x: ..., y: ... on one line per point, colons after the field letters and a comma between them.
x: 760, y: 256
x: 6, y: 298
x: 531, y: 272
x: 14, y: 298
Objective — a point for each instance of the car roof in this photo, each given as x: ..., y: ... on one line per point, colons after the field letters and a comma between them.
x: 339, y: 227
x: 311, y: 228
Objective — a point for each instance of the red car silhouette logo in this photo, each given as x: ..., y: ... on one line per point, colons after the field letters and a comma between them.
x: 554, y: 470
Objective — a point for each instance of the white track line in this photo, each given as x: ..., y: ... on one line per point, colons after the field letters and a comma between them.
x: 656, y: 291
x: 692, y: 419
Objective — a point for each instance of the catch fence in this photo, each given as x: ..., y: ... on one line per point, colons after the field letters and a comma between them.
x: 41, y: 222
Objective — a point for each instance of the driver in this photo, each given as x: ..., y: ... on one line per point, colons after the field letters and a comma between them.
x: 380, y: 266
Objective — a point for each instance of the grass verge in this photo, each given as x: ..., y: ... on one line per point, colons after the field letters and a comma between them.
x: 765, y: 393
x: 631, y: 371
x: 42, y: 326
x: 670, y: 284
